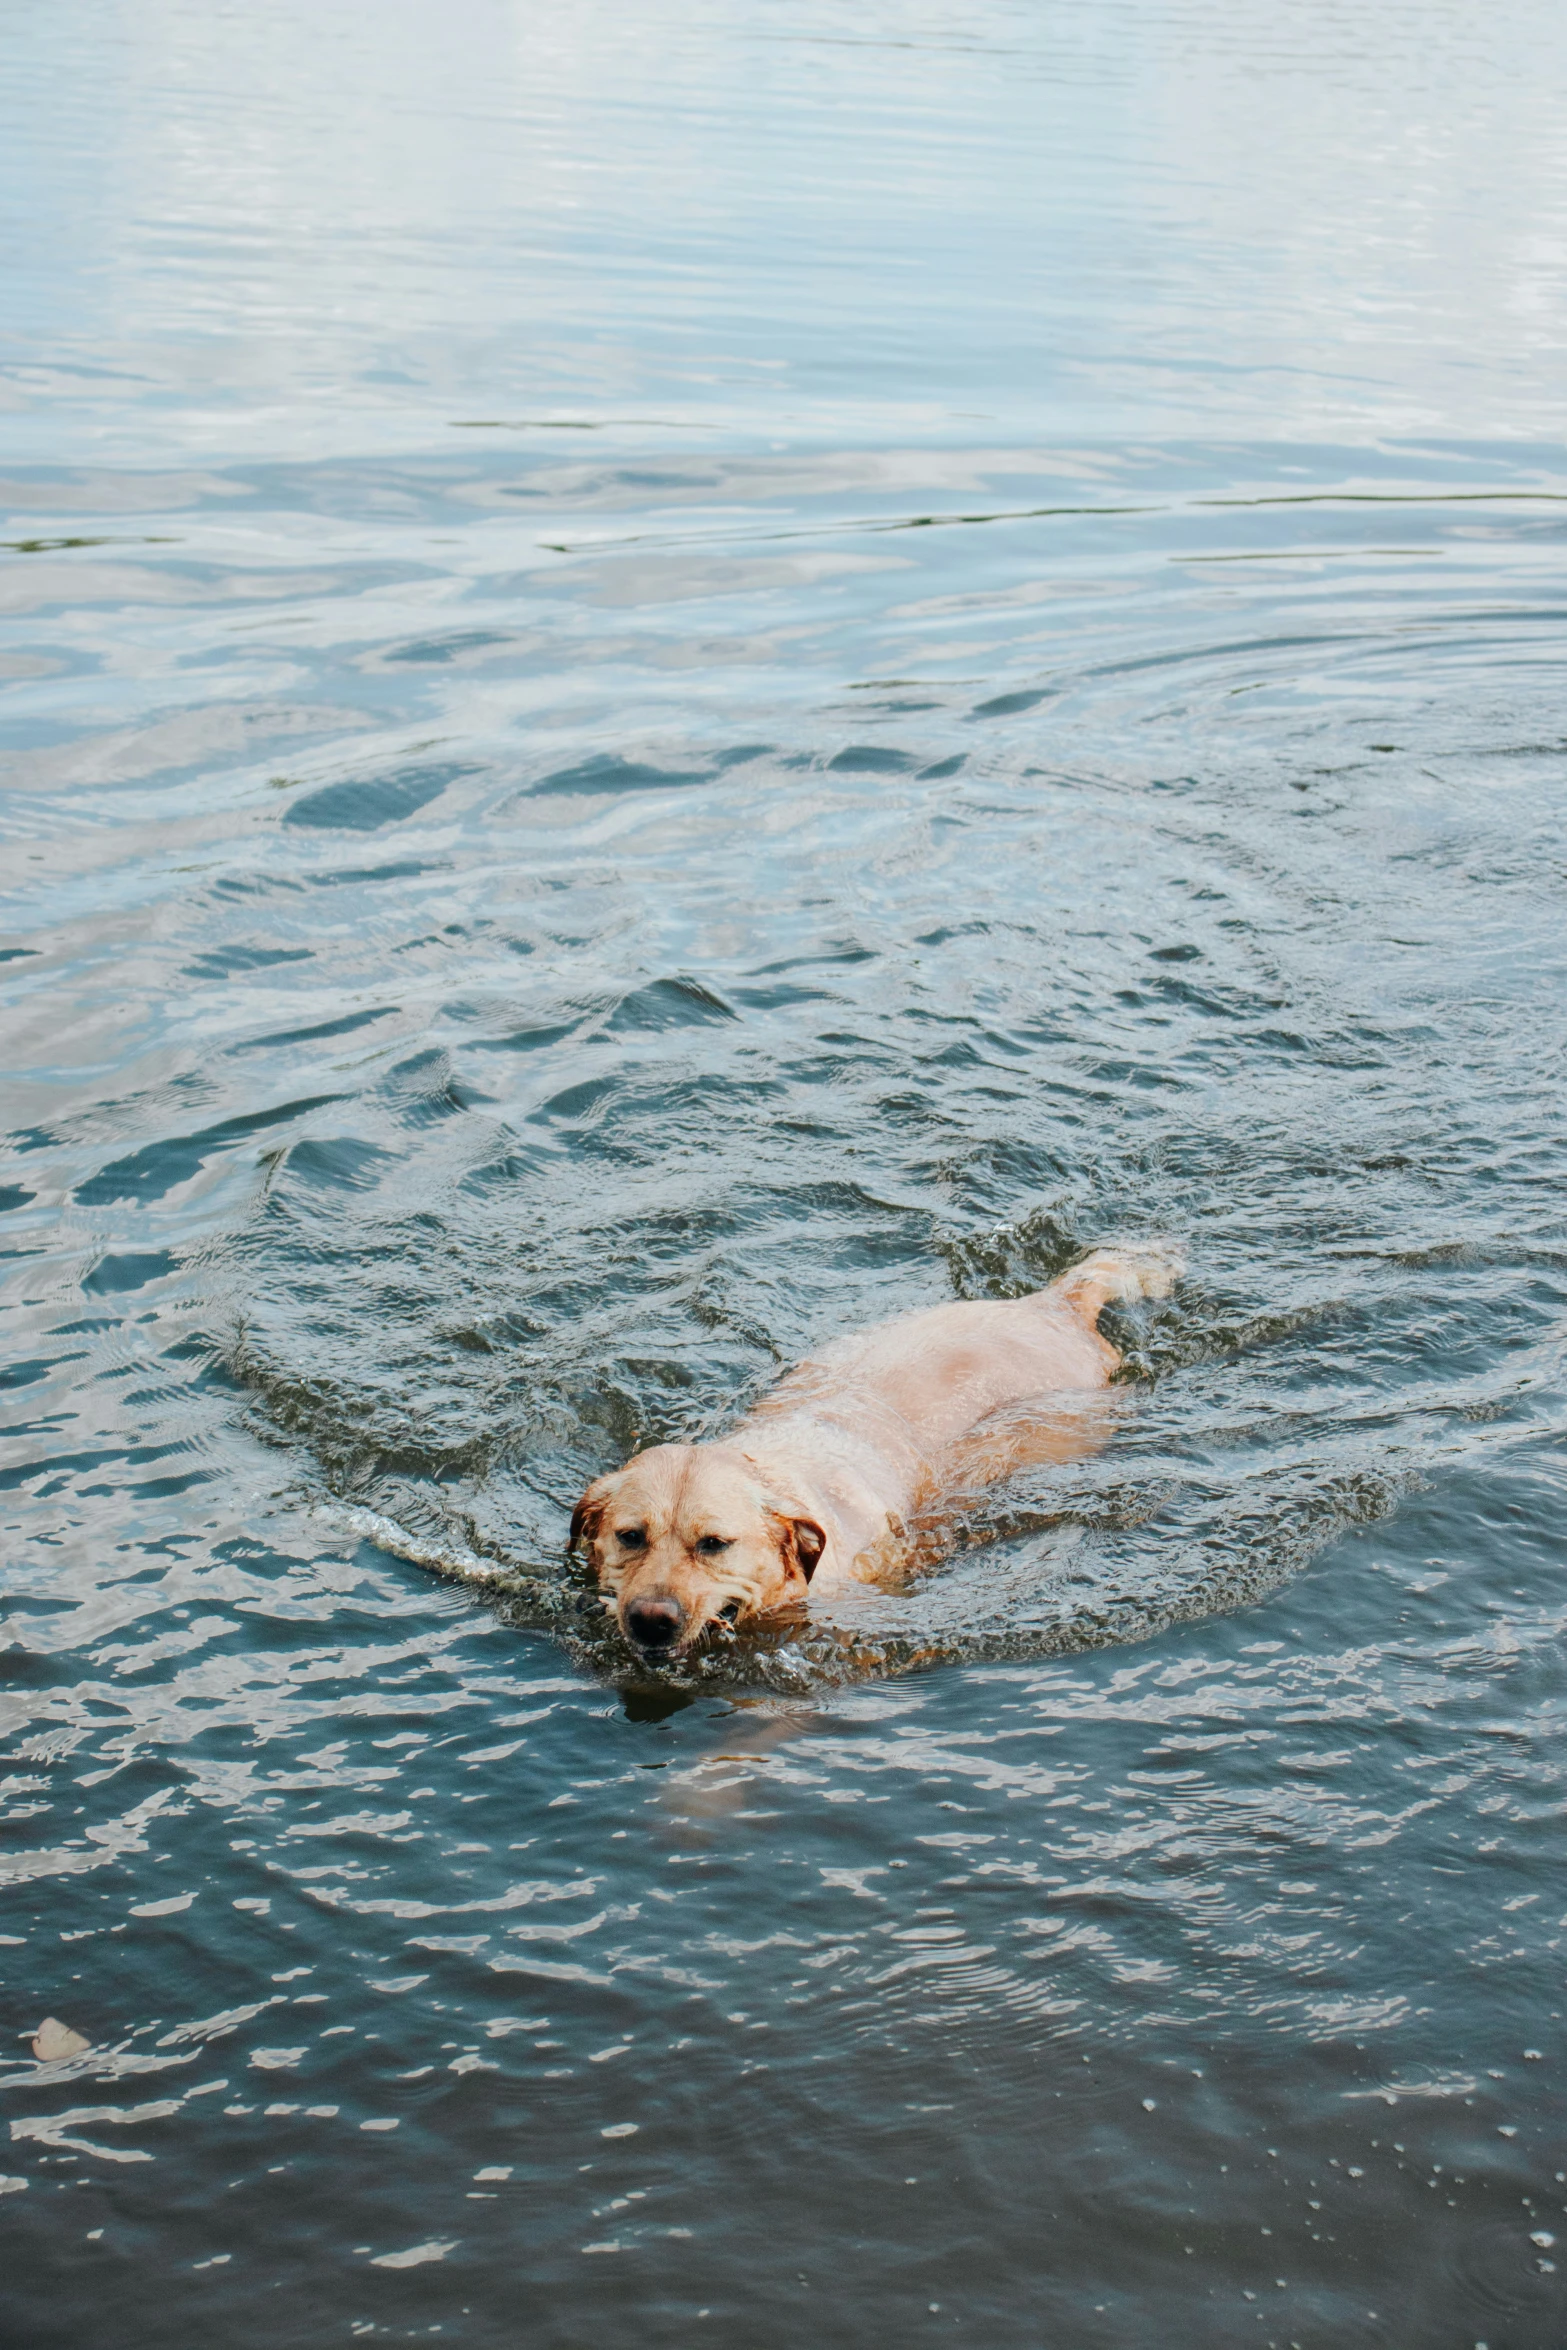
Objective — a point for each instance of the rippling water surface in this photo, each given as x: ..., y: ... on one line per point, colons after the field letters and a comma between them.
x: 676, y: 678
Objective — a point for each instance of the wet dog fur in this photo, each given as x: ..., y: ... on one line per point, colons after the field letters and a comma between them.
x: 820, y: 1480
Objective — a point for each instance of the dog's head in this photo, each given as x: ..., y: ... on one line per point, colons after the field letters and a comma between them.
x: 688, y: 1535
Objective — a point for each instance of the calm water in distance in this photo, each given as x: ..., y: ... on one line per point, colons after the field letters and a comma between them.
x: 675, y: 677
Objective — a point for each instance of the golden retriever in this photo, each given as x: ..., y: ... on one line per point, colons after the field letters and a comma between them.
x: 821, y: 1479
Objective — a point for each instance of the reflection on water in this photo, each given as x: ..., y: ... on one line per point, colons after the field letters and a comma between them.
x: 671, y: 684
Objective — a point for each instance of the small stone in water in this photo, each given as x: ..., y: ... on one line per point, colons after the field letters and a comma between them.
x: 54, y: 2040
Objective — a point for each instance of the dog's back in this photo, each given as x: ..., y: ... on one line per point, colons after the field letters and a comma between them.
x: 943, y: 1371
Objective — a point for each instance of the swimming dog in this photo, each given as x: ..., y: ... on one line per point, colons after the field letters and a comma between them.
x: 820, y: 1480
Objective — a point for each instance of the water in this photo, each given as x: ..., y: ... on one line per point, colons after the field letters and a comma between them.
x: 675, y: 679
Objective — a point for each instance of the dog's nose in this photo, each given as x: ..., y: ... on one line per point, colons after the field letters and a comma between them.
x: 655, y: 1623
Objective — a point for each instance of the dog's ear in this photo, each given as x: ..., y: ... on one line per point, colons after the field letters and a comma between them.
x: 801, y: 1540
x: 585, y: 1519
x: 807, y: 1541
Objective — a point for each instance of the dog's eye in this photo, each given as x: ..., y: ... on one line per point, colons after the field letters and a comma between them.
x: 711, y: 1544
x: 631, y: 1537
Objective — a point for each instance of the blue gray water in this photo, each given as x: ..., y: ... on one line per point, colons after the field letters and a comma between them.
x: 674, y: 678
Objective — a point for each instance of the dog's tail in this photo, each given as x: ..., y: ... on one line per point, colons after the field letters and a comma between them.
x: 1144, y: 1268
